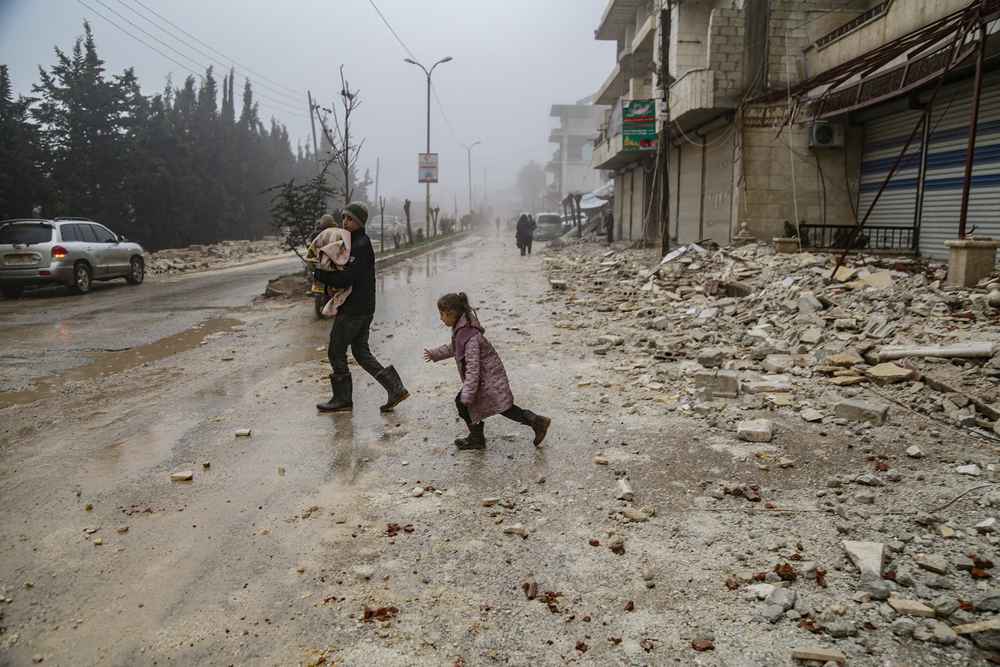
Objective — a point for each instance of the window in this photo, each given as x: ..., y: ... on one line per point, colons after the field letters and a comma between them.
x: 86, y: 233
x: 25, y: 233
x: 70, y: 233
x: 102, y: 234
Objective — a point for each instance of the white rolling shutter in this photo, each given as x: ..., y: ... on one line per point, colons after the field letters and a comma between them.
x: 946, y: 167
x: 884, y: 139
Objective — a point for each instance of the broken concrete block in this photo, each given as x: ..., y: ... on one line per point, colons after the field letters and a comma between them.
x: 889, y: 373
x: 971, y: 470
x: 868, y: 557
x: 721, y: 384
x: 862, y: 411
x: 778, y: 363
x: 848, y: 380
x: 844, y: 359
x: 911, y: 607
x: 931, y: 563
x: 558, y: 284
x: 808, y: 303
x: 811, y: 415
x: 987, y: 526
x: 755, y: 430
x: 984, y: 634
x: 625, y: 490
x: 182, y: 476
x: 844, y: 274
x: 811, y: 336
x: 819, y: 654
x: 878, y: 280
x: 845, y: 324
x: 775, y: 385
x: 243, y: 433
x: 711, y: 357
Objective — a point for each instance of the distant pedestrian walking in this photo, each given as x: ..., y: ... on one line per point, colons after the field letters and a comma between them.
x: 525, y: 234
x: 485, y: 387
x: 354, y: 320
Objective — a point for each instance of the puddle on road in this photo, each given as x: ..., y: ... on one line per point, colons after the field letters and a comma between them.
x: 110, y: 363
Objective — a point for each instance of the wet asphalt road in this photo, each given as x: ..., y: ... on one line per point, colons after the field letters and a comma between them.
x: 245, y: 564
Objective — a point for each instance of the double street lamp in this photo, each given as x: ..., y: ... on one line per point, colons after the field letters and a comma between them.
x: 428, y: 72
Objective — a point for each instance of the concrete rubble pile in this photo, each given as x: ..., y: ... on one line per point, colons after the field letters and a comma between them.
x: 214, y: 256
x: 778, y: 359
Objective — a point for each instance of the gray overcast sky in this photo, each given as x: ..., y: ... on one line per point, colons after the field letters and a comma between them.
x: 513, y: 59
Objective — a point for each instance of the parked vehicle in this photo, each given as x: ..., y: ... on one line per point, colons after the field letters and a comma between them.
x: 549, y: 226
x: 69, y: 251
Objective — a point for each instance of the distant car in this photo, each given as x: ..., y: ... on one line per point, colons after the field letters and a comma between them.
x: 548, y: 226
x: 68, y: 251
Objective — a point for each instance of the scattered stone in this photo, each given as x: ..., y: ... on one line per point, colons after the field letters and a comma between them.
x: 945, y: 605
x: 844, y: 359
x: 971, y: 470
x: 711, y: 357
x: 984, y: 634
x: 243, y: 433
x: 819, y: 654
x: 889, y: 373
x: 637, y: 515
x: 755, y: 430
x: 418, y: 491
x: 182, y: 476
x: 600, y: 461
x: 719, y: 384
x: 489, y: 502
x: 625, y: 490
x: 761, y: 591
x: 516, y: 529
x: 942, y: 634
x: 987, y: 526
x: 911, y: 607
x: 811, y: 415
x: 931, y: 563
x: 862, y: 411
x: 782, y: 597
x: 868, y: 557
x: 363, y: 572
x: 914, y: 452
x: 903, y: 627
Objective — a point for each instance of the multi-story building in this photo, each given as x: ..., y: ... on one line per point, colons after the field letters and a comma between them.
x: 631, y: 24
x: 571, y: 162
x: 740, y: 69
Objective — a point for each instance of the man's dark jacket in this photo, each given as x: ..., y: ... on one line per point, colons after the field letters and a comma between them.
x: 359, y: 274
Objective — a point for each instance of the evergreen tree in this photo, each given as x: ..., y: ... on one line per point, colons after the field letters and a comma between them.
x: 22, y: 183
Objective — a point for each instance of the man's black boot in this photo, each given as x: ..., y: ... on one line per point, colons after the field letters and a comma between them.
x: 342, y: 393
x: 476, y: 438
x: 389, y: 379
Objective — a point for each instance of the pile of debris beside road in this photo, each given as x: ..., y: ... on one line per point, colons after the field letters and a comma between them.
x: 749, y: 321
x: 214, y: 256
x: 773, y: 353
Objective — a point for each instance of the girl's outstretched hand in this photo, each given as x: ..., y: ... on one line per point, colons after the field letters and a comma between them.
x: 427, y: 356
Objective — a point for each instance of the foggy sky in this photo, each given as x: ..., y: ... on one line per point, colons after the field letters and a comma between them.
x: 512, y: 60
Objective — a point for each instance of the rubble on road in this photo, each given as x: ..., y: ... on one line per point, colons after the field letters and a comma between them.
x: 173, y: 261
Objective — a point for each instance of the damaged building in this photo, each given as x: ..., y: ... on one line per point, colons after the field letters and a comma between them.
x: 786, y: 117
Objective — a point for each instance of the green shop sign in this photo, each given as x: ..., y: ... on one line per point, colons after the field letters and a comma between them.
x: 639, y: 125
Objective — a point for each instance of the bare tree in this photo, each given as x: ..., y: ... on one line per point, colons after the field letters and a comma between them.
x: 344, y: 153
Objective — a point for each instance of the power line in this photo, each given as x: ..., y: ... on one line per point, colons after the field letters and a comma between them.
x: 274, y: 101
x: 412, y: 56
x: 392, y: 30
x: 292, y: 91
x: 184, y: 67
x: 272, y: 88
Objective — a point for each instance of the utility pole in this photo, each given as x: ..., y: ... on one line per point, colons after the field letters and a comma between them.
x: 378, y: 168
x: 381, y: 205
x: 468, y: 151
x: 312, y: 121
x: 664, y: 140
x: 428, y: 72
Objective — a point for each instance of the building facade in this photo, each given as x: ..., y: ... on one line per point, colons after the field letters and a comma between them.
x: 570, y: 167
x: 739, y: 70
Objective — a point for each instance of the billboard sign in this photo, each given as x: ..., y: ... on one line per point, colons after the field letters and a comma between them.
x: 427, y: 167
x: 639, y: 125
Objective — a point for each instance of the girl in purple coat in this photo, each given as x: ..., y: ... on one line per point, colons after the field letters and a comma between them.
x: 485, y: 388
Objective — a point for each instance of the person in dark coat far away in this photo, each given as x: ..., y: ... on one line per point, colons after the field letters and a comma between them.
x: 354, y: 319
x: 525, y: 233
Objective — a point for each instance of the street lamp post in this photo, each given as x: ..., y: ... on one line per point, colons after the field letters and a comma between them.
x: 428, y: 72
x: 468, y: 152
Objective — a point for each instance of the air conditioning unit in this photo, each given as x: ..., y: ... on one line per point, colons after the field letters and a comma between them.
x: 824, y: 134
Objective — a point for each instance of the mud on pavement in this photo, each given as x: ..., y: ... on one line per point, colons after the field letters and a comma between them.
x: 368, y: 540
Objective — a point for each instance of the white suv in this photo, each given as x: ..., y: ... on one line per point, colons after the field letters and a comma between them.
x: 69, y: 251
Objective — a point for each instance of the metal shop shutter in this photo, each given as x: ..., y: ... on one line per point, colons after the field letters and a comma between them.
x: 884, y: 139
x: 946, y: 167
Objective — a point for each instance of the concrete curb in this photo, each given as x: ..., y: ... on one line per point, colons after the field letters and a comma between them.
x: 409, y: 253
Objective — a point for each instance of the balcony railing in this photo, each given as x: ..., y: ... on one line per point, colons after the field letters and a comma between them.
x: 870, y: 237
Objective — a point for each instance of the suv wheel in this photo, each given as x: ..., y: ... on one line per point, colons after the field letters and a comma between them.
x: 136, y: 271
x: 82, y: 278
x: 13, y: 292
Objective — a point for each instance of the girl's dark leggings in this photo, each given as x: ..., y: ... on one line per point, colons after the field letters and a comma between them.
x: 513, y: 413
